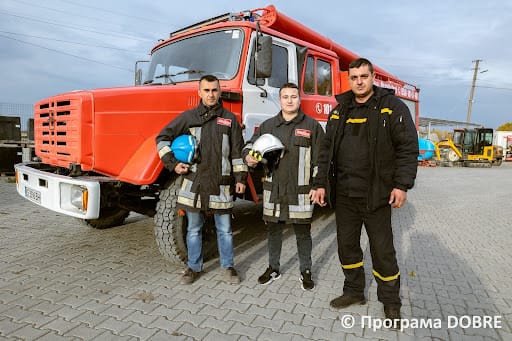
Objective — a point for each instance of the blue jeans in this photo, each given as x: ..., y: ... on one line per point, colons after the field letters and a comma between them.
x: 195, y: 245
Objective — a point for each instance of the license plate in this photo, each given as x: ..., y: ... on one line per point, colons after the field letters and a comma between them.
x: 33, y: 195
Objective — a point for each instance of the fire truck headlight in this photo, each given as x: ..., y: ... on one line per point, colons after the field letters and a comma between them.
x: 79, y: 197
x: 74, y: 197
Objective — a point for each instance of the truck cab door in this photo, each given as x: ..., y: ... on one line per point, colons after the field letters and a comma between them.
x: 317, y: 90
x: 261, y: 95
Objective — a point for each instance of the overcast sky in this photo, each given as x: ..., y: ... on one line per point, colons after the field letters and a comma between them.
x: 57, y: 46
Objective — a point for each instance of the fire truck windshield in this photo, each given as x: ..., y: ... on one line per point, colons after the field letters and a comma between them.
x: 217, y: 53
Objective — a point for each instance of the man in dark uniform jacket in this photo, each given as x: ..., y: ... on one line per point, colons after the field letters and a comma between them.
x: 208, y: 183
x: 368, y: 161
x: 287, y: 188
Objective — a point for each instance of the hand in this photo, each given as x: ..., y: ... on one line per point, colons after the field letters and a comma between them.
x: 312, y: 195
x: 181, y: 168
x: 318, y: 196
x: 397, y: 198
x: 239, y: 188
x: 251, y: 161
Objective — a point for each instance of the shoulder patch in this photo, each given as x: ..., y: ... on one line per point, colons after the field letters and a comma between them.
x: 334, y: 115
x: 224, y: 121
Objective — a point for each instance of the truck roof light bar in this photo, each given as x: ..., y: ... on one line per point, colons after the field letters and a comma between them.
x: 241, y: 16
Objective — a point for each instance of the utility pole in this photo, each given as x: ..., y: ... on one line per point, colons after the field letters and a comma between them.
x: 470, y: 104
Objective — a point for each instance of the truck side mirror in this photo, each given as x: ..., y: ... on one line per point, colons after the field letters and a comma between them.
x: 138, y: 71
x: 264, y: 57
x: 138, y: 77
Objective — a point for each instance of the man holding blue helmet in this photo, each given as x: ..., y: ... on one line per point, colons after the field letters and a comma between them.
x: 212, y: 174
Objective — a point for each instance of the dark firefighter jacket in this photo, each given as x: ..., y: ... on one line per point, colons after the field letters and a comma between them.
x: 392, y: 141
x: 286, y: 188
x: 209, y: 184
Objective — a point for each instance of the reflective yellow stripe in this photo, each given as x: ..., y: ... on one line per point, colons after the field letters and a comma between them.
x: 352, y: 266
x: 356, y: 120
x: 386, y: 279
x: 386, y: 111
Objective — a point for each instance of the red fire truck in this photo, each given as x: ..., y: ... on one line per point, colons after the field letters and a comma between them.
x: 98, y: 158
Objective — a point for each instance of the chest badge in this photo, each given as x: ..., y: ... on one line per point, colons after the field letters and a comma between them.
x: 224, y: 121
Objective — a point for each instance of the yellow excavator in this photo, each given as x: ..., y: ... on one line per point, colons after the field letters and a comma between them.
x: 470, y: 148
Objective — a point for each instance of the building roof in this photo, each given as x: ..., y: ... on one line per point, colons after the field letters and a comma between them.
x: 429, y: 122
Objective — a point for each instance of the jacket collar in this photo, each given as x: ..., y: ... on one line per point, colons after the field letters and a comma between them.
x: 280, y: 120
x: 378, y: 92
x: 206, y: 113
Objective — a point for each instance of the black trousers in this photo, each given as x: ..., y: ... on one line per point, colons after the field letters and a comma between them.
x: 351, y: 214
x: 303, y: 239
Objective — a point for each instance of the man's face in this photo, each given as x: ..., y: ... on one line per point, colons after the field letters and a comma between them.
x: 209, y: 92
x: 361, y: 82
x: 290, y: 100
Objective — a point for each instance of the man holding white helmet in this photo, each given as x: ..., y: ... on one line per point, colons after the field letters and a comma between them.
x: 287, y: 144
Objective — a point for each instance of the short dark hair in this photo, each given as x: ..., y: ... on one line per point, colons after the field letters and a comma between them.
x: 357, y: 63
x: 208, y: 78
x: 288, y: 86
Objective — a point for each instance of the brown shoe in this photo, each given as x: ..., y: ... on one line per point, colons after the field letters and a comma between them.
x: 345, y: 301
x: 189, y: 276
x: 231, y: 276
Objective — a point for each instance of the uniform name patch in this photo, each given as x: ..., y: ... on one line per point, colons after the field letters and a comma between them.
x: 303, y: 133
x: 224, y: 121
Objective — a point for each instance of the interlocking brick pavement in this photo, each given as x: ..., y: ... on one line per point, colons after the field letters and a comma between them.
x: 62, y: 281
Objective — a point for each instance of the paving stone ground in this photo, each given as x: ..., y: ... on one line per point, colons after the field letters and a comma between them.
x: 60, y: 280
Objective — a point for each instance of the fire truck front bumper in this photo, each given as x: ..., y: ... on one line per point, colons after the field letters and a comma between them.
x: 74, y: 196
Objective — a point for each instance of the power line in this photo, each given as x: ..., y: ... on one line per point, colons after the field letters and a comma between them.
x: 66, y: 53
x: 71, y: 42
x: 77, y: 27
x: 80, y: 15
x: 152, y: 19
x: 493, y: 87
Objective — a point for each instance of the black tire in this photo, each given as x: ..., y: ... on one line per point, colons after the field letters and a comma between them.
x: 109, y: 217
x: 170, y: 228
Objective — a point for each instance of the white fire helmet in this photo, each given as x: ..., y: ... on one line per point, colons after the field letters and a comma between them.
x: 268, y: 149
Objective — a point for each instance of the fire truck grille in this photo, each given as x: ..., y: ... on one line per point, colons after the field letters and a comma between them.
x: 57, y: 131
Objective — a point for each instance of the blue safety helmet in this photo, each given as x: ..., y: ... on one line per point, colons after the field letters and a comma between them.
x: 184, y: 148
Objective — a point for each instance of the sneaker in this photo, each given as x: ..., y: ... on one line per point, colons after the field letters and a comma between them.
x: 307, y: 280
x: 189, y: 276
x: 231, y: 276
x: 345, y: 301
x: 269, y: 276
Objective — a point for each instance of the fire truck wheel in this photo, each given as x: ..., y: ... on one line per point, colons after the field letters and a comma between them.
x: 109, y: 217
x: 171, y: 228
